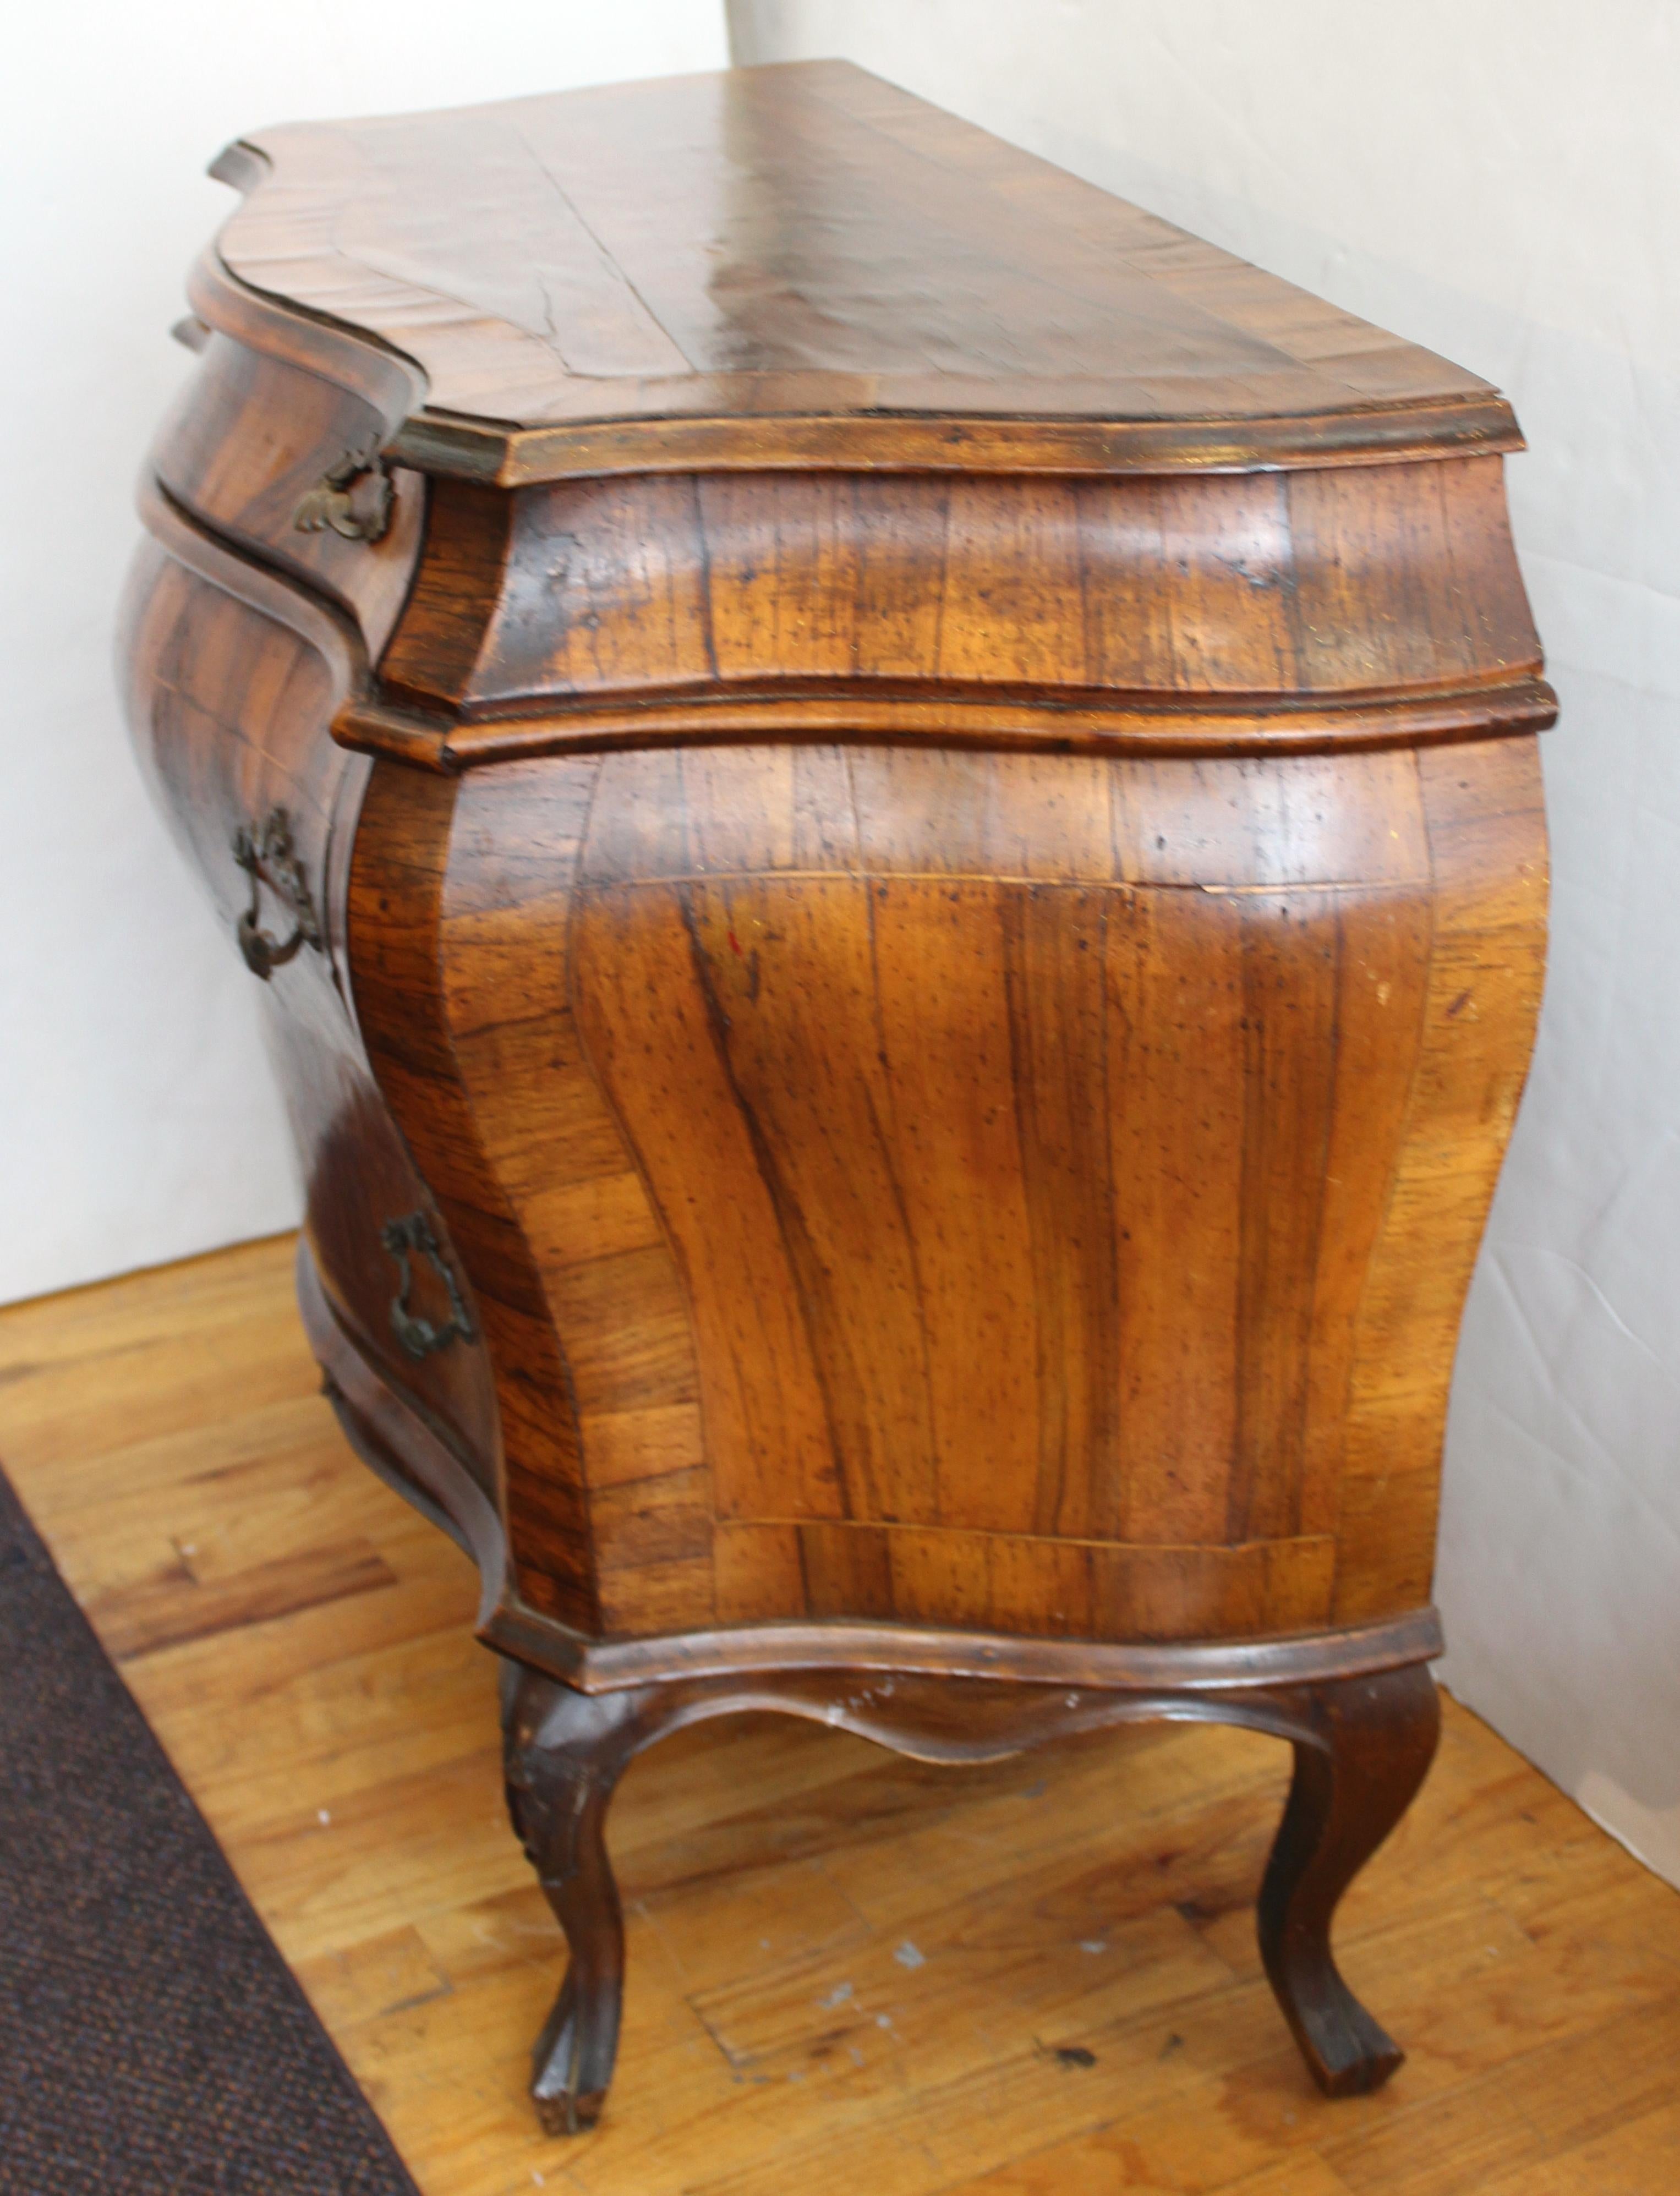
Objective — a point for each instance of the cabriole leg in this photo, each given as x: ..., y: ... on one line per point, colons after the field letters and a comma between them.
x: 564, y: 1751
x: 1362, y: 1747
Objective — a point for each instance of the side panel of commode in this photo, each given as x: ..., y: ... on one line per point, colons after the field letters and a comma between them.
x: 1031, y: 1193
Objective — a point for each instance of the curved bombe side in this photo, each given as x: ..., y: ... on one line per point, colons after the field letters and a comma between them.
x: 232, y: 675
x: 1024, y: 1192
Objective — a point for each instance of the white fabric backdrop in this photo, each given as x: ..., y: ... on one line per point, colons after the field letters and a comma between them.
x: 138, y: 1121
x: 1499, y: 179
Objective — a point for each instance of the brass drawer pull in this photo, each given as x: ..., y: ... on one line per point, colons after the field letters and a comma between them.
x: 265, y: 852
x: 419, y: 1336
x: 353, y: 499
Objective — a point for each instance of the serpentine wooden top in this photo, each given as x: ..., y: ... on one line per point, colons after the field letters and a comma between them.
x: 799, y: 266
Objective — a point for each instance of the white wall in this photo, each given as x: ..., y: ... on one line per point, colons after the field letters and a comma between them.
x: 138, y: 1121
x: 1500, y: 180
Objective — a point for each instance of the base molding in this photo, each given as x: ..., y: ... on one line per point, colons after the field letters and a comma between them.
x: 390, y: 1433
x: 842, y: 1645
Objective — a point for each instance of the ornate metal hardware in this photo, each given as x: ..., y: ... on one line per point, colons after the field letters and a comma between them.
x: 353, y: 499
x: 266, y: 854
x: 420, y: 1336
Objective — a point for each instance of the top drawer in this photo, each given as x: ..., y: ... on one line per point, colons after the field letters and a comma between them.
x: 250, y: 439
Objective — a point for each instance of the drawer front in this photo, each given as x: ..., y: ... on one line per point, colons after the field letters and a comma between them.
x: 249, y: 449
x: 229, y: 710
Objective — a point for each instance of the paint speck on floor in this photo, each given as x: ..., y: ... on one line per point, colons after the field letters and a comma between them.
x: 908, y: 1956
x: 837, y: 1996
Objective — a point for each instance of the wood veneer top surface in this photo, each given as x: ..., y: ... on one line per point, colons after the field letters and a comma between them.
x: 803, y: 239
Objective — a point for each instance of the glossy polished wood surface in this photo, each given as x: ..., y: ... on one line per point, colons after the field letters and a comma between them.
x: 1077, y: 1250
x: 801, y: 243
x: 1251, y: 613
x: 890, y: 820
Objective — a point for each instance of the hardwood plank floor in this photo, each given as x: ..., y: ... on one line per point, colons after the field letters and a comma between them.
x: 846, y: 1970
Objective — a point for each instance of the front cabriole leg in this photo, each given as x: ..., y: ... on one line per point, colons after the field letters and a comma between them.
x: 564, y: 1751
x: 1362, y: 1747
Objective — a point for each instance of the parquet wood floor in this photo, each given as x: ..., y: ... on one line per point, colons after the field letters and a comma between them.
x: 847, y: 1971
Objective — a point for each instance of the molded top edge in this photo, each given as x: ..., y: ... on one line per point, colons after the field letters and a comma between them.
x: 800, y: 265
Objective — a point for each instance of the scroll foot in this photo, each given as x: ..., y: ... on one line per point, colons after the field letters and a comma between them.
x: 1362, y: 1747
x: 564, y: 1752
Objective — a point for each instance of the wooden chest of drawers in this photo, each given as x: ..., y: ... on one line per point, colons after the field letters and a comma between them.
x: 891, y: 820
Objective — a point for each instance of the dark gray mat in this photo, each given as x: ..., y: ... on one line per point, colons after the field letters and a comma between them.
x: 151, y: 2039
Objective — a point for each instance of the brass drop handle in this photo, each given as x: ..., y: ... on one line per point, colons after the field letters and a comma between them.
x: 265, y: 852
x: 353, y: 499
x: 420, y: 1336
